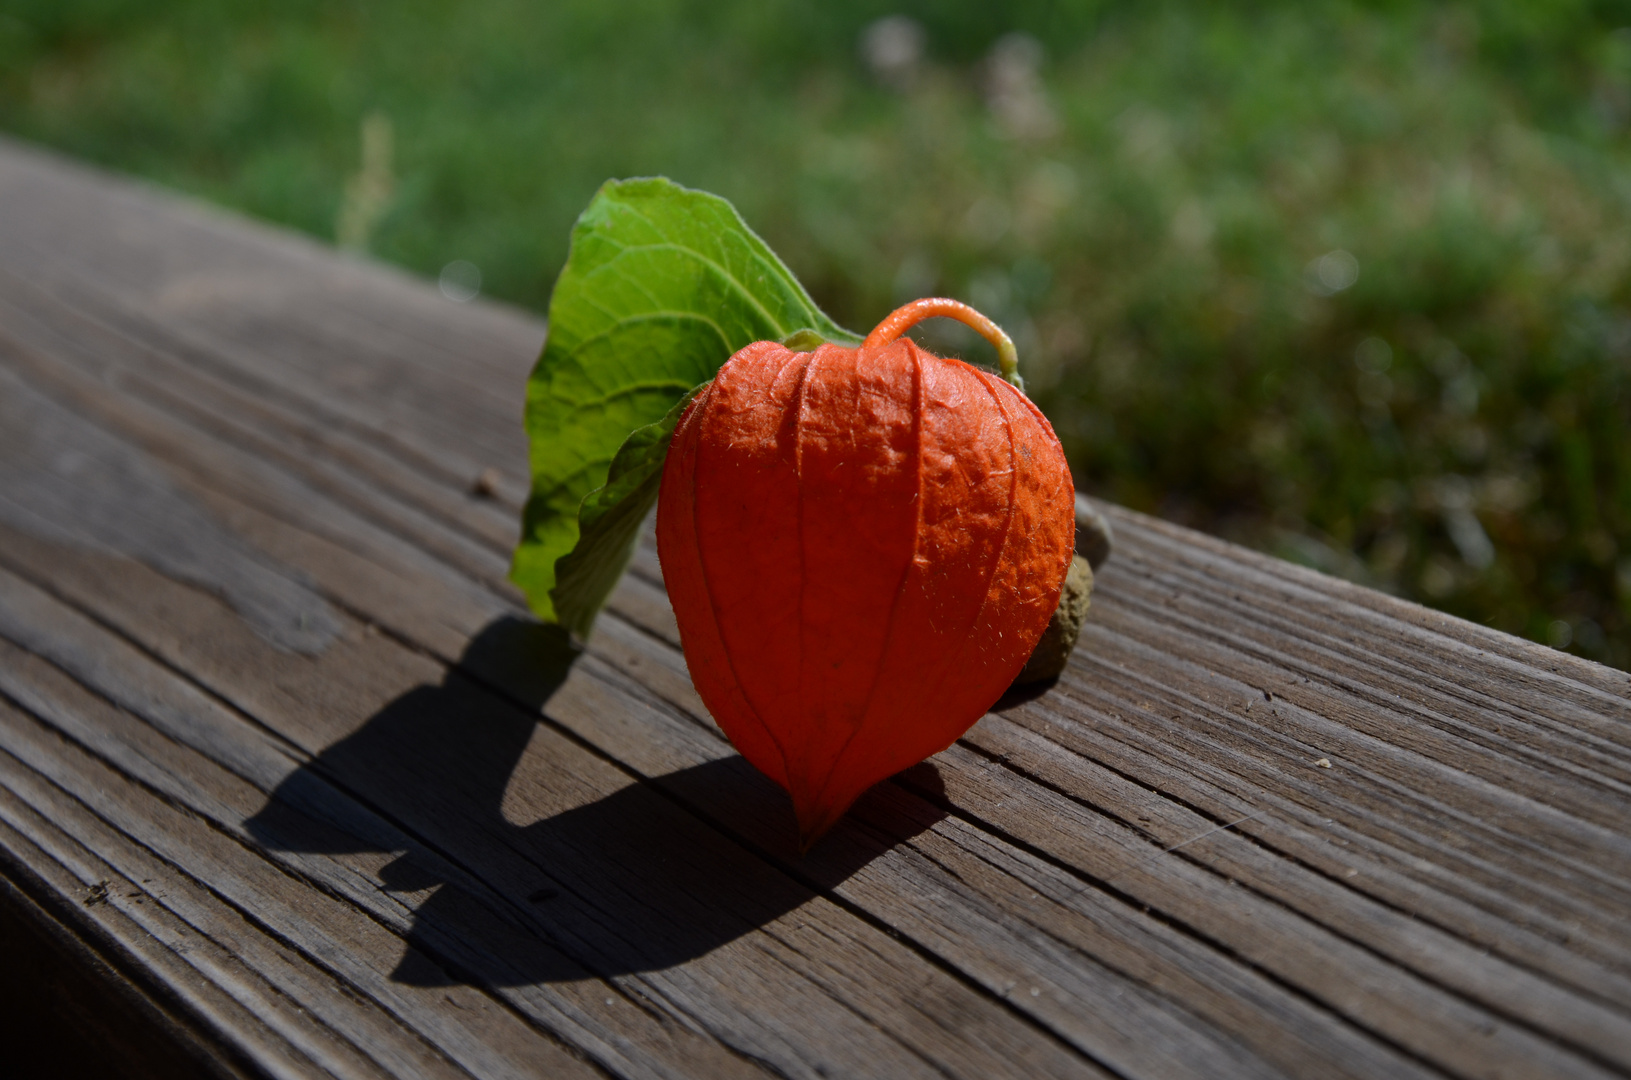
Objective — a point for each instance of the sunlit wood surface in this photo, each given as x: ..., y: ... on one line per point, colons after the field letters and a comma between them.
x: 289, y: 787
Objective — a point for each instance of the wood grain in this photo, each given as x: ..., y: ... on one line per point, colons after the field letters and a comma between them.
x: 267, y: 701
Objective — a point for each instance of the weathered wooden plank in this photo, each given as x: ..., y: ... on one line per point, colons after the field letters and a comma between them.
x: 1425, y: 837
x: 233, y: 960
x: 359, y: 940
x: 422, y: 512
x: 361, y: 921
x: 257, y: 299
x: 93, y: 589
x: 388, y: 775
x: 1428, y: 754
x: 1525, y: 816
x: 91, y: 413
x: 69, y: 1012
x: 165, y: 957
x: 98, y: 589
x: 1316, y: 960
x: 638, y: 734
x: 1091, y: 738
x: 1150, y: 844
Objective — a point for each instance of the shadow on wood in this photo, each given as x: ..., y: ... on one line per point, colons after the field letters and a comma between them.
x: 639, y: 877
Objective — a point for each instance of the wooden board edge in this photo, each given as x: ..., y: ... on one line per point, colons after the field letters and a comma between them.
x: 76, y: 1010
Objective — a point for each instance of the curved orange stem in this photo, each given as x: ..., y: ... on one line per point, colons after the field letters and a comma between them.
x: 904, y: 318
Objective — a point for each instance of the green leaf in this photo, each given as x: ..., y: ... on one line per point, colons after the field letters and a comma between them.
x: 662, y: 286
x: 609, y: 523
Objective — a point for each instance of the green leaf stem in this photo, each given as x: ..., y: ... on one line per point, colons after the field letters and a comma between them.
x: 661, y: 287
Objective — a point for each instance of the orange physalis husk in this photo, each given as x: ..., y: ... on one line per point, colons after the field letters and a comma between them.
x: 862, y: 547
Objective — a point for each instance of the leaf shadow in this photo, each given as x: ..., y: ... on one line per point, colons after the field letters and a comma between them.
x: 654, y: 874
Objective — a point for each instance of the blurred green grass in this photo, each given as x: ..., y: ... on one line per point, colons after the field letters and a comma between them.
x: 1347, y: 282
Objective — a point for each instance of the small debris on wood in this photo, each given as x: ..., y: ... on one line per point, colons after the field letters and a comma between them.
x: 1323, y: 763
x: 98, y: 895
x: 486, y: 484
